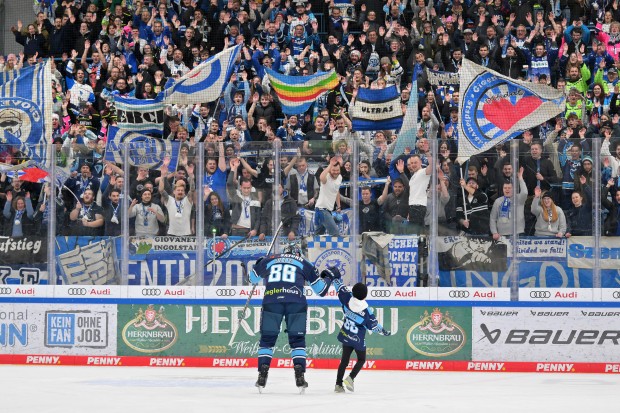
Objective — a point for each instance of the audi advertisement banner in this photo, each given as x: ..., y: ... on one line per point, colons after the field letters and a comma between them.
x: 205, y: 331
x: 59, y: 329
x: 545, y: 334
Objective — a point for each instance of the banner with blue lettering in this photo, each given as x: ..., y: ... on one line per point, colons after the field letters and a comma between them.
x: 377, y: 109
x: 139, y: 114
x: 494, y: 108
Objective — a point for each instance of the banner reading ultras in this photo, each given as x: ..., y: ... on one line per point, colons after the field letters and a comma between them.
x: 204, y: 331
x: 546, y: 334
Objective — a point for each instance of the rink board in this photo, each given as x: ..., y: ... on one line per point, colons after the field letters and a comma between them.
x: 432, y: 329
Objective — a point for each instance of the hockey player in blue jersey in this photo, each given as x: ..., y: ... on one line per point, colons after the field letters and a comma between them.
x: 284, y: 297
x: 358, y: 318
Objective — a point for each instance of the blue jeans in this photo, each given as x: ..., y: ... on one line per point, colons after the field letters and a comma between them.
x: 325, y: 220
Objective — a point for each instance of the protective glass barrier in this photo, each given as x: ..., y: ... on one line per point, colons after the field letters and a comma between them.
x: 25, y: 199
x: 370, y: 232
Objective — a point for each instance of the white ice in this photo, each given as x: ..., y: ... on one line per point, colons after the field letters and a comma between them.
x: 67, y: 389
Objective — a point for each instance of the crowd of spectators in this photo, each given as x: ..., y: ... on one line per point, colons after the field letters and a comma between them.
x: 133, y: 47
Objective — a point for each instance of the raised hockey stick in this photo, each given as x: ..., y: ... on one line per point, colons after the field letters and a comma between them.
x: 245, y: 273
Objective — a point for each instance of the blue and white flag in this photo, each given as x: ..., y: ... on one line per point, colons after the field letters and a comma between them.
x: 494, y: 108
x: 145, y: 151
x: 409, y: 132
x: 26, y: 110
x: 139, y: 114
x: 377, y: 109
x: 204, y: 83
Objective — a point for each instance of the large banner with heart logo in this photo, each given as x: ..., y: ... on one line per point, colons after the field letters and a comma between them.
x: 494, y: 108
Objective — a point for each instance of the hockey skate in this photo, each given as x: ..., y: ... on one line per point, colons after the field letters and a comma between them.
x: 262, y: 377
x: 300, y: 381
x: 348, y: 383
x: 338, y: 389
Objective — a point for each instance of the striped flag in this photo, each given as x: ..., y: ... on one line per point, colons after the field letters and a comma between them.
x: 204, y: 83
x: 297, y: 93
x: 139, y: 114
x: 377, y: 109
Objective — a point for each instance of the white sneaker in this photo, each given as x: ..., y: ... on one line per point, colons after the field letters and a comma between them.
x: 348, y: 383
x: 338, y: 389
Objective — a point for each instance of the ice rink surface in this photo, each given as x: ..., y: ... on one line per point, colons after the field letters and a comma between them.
x: 67, y: 389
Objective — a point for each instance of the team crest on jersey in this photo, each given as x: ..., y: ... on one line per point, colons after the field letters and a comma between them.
x: 21, y: 122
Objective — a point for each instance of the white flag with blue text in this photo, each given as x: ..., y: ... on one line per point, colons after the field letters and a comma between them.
x: 204, y: 83
x: 494, y: 108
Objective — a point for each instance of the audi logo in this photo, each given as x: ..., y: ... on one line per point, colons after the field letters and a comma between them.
x: 458, y: 294
x: 151, y: 291
x: 616, y: 294
x: 5, y: 291
x: 76, y: 291
x: 540, y: 294
x: 380, y: 293
x: 222, y: 292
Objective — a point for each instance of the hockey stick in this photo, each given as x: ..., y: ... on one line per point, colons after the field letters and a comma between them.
x: 247, y: 302
x: 215, y: 258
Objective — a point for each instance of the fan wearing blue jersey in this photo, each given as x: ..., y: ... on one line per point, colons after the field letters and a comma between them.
x: 358, y: 318
x: 284, y: 298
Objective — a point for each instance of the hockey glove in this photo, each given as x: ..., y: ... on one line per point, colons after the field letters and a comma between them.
x: 385, y: 332
x: 331, y: 272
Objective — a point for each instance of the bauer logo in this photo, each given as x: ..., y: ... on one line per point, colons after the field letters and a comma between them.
x: 150, y: 331
x: 436, y: 335
x: 76, y: 329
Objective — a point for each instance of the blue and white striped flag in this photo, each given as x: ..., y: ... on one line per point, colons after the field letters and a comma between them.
x: 139, y: 114
x: 377, y: 109
x: 204, y: 83
x: 145, y: 151
x: 26, y: 110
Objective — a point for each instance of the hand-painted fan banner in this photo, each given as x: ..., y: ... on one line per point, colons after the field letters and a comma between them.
x: 204, y: 83
x: 377, y: 109
x: 437, y: 78
x: 26, y: 110
x: 139, y: 114
x: 297, y: 93
x: 144, y: 150
x: 494, y: 108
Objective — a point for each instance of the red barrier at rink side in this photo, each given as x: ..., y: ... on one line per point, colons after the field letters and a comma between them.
x: 411, y: 365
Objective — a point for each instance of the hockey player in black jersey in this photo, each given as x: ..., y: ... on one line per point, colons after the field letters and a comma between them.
x: 358, y: 318
x: 284, y: 298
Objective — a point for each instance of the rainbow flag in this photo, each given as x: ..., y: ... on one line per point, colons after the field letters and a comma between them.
x: 296, y: 93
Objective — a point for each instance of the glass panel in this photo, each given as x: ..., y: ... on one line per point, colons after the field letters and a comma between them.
x: 24, y: 199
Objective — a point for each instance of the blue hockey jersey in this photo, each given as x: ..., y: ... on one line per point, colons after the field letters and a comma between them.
x: 358, y: 318
x: 286, y: 275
